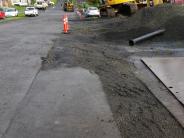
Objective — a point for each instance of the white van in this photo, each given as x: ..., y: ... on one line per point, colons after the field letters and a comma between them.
x: 41, y: 5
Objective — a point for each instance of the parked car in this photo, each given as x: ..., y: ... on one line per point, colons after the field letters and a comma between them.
x: 11, y: 12
x: 92, y: 11
x: 31, y: 11
x: 2, y: 13
x: 41, y: 5
x: 51, y: 3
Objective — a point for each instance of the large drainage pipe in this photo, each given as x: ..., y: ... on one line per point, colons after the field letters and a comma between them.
x: 144, y: 37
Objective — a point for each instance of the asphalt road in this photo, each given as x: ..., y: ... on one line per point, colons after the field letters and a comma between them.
x: 47, y: 104
x: 22, y: 43
x: 86, y: 84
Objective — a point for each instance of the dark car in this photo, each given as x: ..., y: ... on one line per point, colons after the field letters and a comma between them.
x: 2, y: 13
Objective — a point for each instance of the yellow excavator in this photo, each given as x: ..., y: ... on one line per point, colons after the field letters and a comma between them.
x: 112, y: 7
x: 68, y: 5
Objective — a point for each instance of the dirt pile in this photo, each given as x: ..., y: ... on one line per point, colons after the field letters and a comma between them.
x: 156, y: 16
x: 136, y: 111
x: 170, y: 17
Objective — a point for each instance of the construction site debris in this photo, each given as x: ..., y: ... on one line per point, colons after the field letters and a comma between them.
x: 166, y: 16
x: 146, y: 36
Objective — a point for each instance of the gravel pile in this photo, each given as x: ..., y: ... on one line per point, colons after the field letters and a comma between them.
x: 170, y: 17
x: 156, y: 16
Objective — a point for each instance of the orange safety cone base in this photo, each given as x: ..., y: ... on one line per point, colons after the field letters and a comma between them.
x: 68, y: 32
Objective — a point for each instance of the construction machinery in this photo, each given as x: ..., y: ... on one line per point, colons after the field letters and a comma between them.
x: 112, y: 7
x: 68, y: 5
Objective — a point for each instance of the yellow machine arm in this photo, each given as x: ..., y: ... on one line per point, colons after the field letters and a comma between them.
x: 155, y: 2
x: 116, y: 2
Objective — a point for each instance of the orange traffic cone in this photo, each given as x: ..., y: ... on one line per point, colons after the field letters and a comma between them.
x: 65, y: 24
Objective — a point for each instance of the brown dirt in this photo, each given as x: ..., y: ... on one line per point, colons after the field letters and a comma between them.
x: 95, y: 45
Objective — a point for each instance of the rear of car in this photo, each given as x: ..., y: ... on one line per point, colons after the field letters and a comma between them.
x: 41, y: 5
x: 31, y: 11
x: 11, y: 12
x: 92, y: 11
x: 2, y: 13
x: 51, y: 3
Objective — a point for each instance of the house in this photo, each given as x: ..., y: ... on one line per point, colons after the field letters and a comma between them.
x: 21, y: 1
x: 5, y: 3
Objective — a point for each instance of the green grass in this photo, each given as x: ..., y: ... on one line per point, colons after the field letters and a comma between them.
x: 11, y: 19
x: 21, y: 10
x: 55, y: 1
x: 88, y: 3
x: 20, y: 15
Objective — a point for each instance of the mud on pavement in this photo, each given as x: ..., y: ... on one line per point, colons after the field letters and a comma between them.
x: 137, y: 113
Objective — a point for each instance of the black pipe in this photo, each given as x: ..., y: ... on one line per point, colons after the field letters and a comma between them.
x: 144, y: 37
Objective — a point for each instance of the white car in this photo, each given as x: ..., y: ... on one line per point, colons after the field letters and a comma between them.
x: 11, y: 12
x: 92, y: 11
x: 41, y: 5
x: 51, y: 3
x: 31, y: 11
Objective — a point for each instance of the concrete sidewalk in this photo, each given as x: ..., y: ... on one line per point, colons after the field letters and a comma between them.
x: 64, y: 103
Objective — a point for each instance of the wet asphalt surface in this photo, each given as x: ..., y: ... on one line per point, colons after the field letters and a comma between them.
x: 25, y: 109
x: 68, y: 102
x: 22, y: 43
